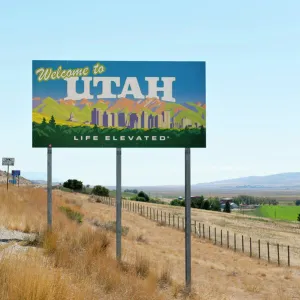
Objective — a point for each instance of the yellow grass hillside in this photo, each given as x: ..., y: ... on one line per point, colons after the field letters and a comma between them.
x: 77, y: 260
x: 73, y: 262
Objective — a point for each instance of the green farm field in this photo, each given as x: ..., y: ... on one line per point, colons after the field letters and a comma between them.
x: 279, y: 212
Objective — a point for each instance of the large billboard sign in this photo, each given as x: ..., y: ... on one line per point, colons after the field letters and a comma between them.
x: 118, y: 104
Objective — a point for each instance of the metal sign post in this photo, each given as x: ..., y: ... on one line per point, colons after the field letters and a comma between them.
x: 49, y: 187
x: 118, y: 206
x: 188, y: 219
x: 8, y: 161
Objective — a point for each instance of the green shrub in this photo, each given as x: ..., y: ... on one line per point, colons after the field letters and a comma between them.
x: 140, y: 199
x: 143, y: 195
x: 100, y: 191
x: 72, y: 214
x: 177, y: 202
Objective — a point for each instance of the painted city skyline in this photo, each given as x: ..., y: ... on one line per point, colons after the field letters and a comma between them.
x: 139, y: 120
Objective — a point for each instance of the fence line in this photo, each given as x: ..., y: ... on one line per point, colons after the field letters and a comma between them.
x: 280, y: 254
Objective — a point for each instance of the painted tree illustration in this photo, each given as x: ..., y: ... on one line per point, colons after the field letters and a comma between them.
x: 52, y: 121
x: 44, y: 123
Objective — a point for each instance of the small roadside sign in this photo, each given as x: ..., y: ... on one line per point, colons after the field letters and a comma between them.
x: 8, y: 161
x: 15, y: 172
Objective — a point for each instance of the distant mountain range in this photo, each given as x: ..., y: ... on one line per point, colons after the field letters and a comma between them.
x: 283, y: 181
x: 69, y: 110
x: 276, y: 180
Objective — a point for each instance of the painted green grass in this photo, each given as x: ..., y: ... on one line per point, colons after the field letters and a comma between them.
x: 286, y: 213
x: 65, y: 136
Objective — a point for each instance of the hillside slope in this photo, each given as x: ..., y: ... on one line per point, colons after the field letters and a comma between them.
x: 3, y: 178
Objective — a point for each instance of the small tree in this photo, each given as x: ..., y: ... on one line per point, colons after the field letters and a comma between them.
x: 52, y: 121
x: 215, y: 204
x: 73, y: 184
x: 297, y: 202
x: 197, y: 202
x: 227, y: 207
x: 44, y: 123
x: 298, y: 219
x: 142, y: 194
x: 206, y: 205
x: 100, y: 191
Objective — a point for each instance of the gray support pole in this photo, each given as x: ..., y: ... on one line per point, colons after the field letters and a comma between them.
x: 7, y: 177
x: 49, y: 187
x: 118, y: 206
x: 188, y: 219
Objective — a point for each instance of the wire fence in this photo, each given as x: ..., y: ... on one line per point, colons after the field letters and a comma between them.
x: 256, y: 248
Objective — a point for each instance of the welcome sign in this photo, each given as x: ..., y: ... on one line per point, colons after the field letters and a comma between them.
x: 118, y: 104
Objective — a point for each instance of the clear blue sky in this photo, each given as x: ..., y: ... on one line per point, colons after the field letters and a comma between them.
x: 252, y: 55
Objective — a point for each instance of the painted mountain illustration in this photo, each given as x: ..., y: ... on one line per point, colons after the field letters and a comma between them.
x: 80, y: 111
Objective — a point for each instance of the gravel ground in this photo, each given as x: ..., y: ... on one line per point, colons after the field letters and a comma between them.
x: 9, y: 240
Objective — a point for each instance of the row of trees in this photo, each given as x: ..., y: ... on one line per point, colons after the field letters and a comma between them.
x: 251, y: 200
x: 77, y: 186
x: 212, y: 203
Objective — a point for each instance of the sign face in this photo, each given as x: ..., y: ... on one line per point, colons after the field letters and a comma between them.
x: 119, y: 104
x: 15, y: 172
x: 8, y: 161
x: 13, y: 181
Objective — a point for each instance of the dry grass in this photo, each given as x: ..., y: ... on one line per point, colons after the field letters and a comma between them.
x: 82, y: 256
x: 75, y: 255
x: 26, y: 278
x: 217, y: 273
x: 265, y: 230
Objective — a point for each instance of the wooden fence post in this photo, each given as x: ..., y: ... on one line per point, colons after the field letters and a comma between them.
x: 178, y: 222
x: 169, y: 219
x: 221, y: 237
x: 199, y: 229
x: 150, y: 213
x: 227, y: 239
x: 173, y: 221
x: 161, y: 216
x: 165, y: 217
x: 182, y: 220
x: 268, y: 246
x: 250, y: 248
x: 209, y: 232
x: 195, y: 226
x: 278, y: 256
x: 203, y: 231
x: 215, y: 235
x: 259, y: 249
x: 243, y: 243
x: 147, y: 211
x: 157, y: 215
x: 234, y: 242
x: 288, y: 249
